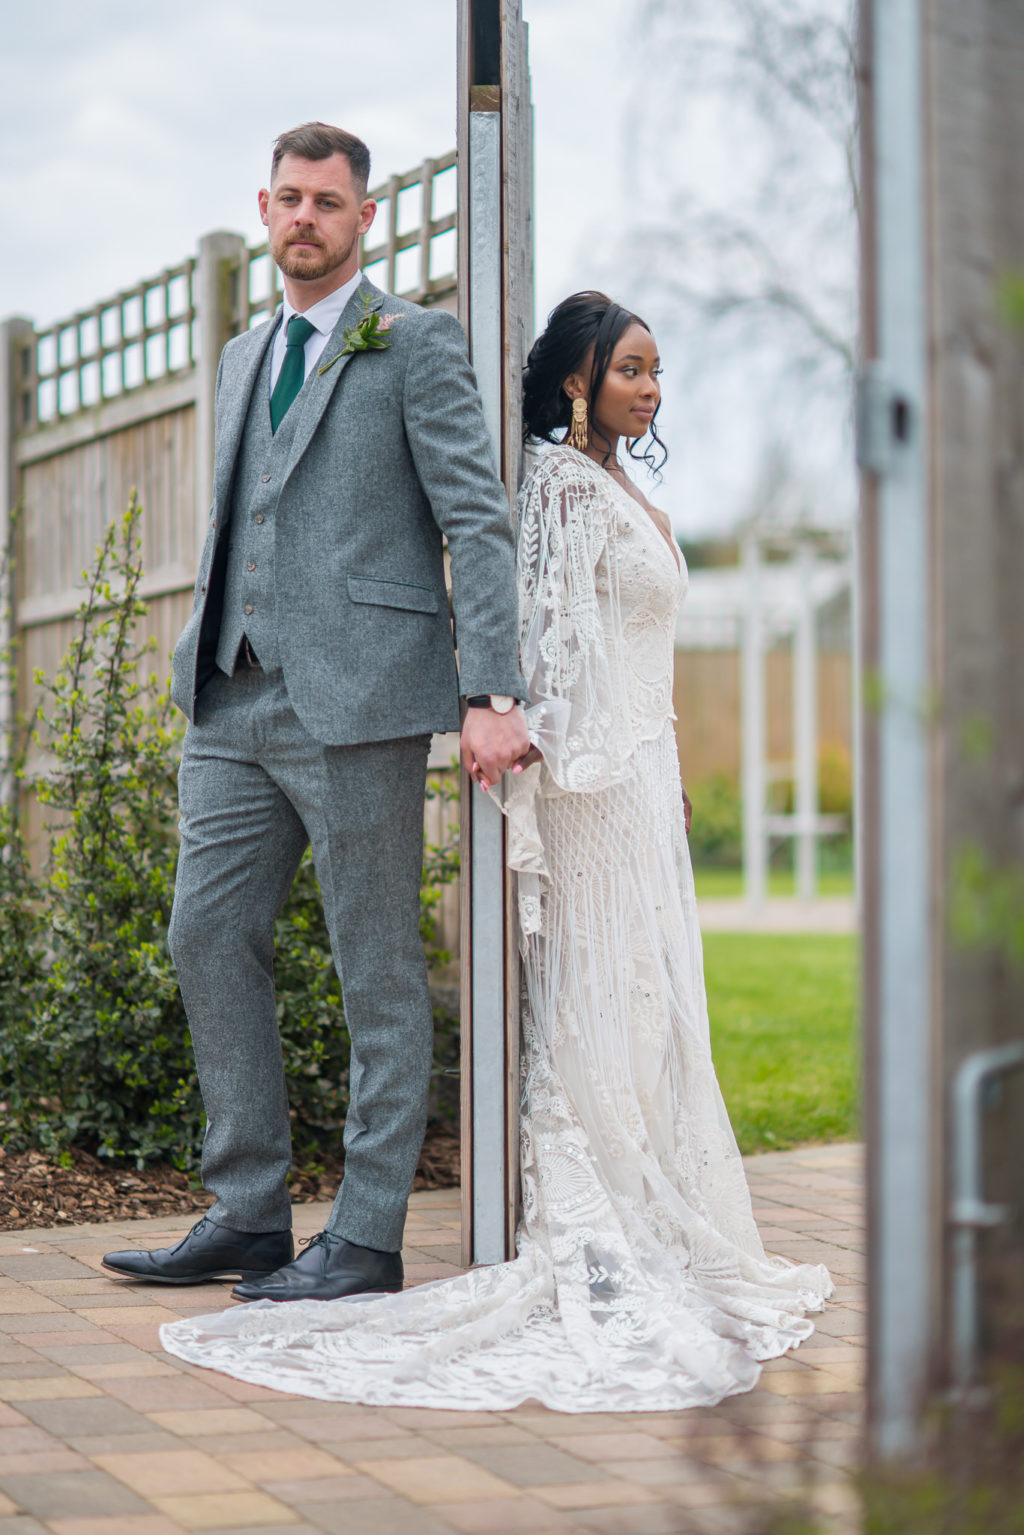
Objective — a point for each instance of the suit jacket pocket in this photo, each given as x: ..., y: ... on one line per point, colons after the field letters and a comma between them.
x: 392, y: 594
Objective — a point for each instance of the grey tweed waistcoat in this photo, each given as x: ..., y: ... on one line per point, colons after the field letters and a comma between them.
x: 250, y: 585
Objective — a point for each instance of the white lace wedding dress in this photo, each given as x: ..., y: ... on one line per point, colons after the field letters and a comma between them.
x: 640, y: 1281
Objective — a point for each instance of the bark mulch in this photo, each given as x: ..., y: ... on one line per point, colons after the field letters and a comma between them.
x: 37, y: 1191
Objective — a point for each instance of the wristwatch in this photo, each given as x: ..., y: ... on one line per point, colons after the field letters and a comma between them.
x: 501, y: 703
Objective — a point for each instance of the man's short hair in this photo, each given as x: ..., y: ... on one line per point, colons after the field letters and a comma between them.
x: 318, y: 141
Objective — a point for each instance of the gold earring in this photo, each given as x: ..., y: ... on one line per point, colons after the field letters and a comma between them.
x: 578, y: 437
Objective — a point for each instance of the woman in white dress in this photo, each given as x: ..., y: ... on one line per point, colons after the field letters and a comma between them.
x: 640, y: 1280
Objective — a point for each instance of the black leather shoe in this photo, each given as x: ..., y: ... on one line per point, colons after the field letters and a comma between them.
x: 208, y: 1252
x: 328, y: 1269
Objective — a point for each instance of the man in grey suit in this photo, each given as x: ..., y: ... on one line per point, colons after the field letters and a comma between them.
x: 317, y: 662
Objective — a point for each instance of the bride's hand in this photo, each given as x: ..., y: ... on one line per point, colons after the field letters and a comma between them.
x: 530, y: 757
x: 687, y: 810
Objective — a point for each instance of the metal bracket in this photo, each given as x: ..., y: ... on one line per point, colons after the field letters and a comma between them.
x: 884, y: 419
x: 969, y: 1211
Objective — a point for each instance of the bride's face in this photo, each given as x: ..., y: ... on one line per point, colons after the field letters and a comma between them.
x: 630, y: 391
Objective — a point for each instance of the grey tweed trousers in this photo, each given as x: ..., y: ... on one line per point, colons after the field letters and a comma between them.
x: 255, y: 790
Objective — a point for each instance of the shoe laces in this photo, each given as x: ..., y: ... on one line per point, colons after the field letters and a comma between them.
x: 321, y: 1239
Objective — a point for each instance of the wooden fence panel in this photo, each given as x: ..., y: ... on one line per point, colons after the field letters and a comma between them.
x: 706, y: 696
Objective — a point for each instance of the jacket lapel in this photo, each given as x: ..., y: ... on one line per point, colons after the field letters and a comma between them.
x: 235, y: 409
x: 325, y: 376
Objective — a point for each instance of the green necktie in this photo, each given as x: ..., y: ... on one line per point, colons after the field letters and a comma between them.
x: 293, y: 370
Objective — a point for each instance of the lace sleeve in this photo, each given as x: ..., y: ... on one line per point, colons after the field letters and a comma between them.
x: 579, y: 717
x: 569, y: 620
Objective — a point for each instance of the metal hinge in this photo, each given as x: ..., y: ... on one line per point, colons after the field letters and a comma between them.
x: 884, y: 420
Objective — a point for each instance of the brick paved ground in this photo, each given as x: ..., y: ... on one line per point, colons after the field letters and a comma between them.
x: 103, y: 1434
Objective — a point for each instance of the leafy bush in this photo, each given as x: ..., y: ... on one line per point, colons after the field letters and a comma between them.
x: 716, y: 836
x: 96, y: 1051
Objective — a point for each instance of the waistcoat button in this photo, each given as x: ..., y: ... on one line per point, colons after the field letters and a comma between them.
x: 265, y: 478
x: 248, y: 608
x: 259, y: 516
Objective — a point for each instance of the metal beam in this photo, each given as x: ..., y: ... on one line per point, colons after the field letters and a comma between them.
x: 901, y: 1066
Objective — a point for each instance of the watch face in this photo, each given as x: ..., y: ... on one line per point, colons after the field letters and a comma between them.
x: 501, y: 703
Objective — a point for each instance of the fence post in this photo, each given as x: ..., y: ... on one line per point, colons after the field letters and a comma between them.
x: 16, y: 334
x: 222, y: 275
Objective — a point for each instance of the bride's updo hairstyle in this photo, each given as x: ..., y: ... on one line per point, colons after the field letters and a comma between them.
x: 581, y: 321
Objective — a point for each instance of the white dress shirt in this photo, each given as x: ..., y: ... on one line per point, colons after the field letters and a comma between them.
x: 324, y: 315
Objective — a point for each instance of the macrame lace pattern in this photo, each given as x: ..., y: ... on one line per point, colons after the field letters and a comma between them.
x: 640, y: 1281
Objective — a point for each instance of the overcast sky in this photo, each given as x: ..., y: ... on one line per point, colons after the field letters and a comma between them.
x: 129, y: 130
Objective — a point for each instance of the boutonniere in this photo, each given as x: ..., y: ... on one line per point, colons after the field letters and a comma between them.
x: 370, y: 335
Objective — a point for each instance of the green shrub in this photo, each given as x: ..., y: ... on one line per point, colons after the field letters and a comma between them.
x: 96, y: 1051
x: 716, y: 836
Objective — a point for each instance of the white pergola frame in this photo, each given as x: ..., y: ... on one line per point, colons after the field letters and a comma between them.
x: 806, y: 545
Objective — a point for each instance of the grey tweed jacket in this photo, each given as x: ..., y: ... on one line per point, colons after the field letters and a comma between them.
x: 391, y: 451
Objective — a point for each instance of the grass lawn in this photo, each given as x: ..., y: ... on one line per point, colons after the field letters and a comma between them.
x: 784, y: 1035
x: 728, y: 883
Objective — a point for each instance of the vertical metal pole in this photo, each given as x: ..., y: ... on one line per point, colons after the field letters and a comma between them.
x: 487, y: 851
x: 805, y: 729
x: 753, y: 684
x: 902, y: 1165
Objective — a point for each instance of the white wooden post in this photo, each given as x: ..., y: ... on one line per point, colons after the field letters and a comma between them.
x: 753, y: 714
x: 805, y: 728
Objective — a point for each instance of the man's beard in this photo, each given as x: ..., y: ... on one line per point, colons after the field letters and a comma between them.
x: 308, y: 266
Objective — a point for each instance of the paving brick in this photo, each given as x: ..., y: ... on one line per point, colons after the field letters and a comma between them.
x: 25, y: 1302
x: 25, y: 1438
x: 123, y: 1444
x: 450, y: 1478
x: 68, y: 1495
x: 119, y: 1524
x: 620, y: 1446
x: 204, y: 1421
x: 164, y: 1393
x: 227, y: 1510
x: 37, y: 1389
x: 532, y: 1465
x: 480, y: 1436
x: 24, y: 1267
x: 263, y: 1466
x: 22, y: 1524
x: 305, y: 1495
x: 71, y: 1352
x: 352, y: 1427
x: 178, y: 1471
x: 426, y: 1418
x: 136, y: 1368
x: 41, y: 1461
x: 381, y: 1516
x: 499, y: 1515
x: 97, y: 1415
x: 273, y: 1439
x: 599, y: 1494
x: 644, y: 1519
x: 384, y: 1449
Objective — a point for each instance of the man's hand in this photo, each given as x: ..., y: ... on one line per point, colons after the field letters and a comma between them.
x: 491, y: 743
x: 687, y: 812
